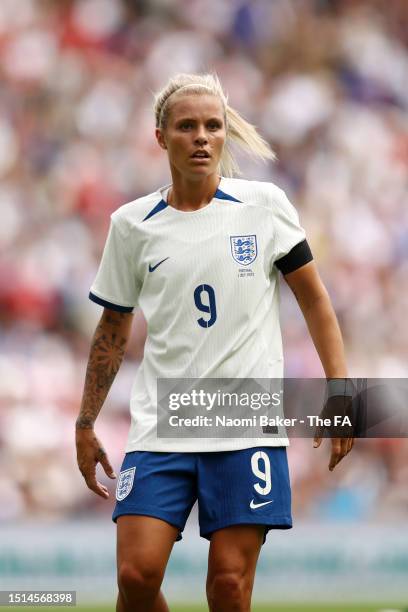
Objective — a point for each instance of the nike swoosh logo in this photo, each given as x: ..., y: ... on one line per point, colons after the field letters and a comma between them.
x: 254, y: 506
x: 153, y: 268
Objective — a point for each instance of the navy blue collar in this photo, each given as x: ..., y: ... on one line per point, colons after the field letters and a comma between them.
x: 219, y: 195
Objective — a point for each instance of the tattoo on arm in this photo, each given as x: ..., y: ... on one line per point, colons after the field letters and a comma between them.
x: 115, y: 319
x: 106, y: 355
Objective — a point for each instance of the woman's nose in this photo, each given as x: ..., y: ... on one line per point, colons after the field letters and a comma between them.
x: 201, y: 136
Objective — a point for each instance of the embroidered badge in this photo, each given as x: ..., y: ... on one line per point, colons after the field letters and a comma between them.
x: 125, y: 483
x: 244, y: 249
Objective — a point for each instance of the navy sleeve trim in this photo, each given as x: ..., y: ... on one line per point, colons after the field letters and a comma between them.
x: 297, y: 257
x: 106, y: 304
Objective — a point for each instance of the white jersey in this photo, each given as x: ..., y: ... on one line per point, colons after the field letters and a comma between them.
x: 209, y: 290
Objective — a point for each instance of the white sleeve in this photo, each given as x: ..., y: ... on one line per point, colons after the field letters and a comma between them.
x: 115, y: 285
x: 287, y: 229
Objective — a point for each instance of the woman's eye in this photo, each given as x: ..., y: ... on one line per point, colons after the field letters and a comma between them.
x: 189, y: 125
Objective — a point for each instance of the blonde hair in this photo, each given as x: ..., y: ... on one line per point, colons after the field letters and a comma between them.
x: 238, y: 130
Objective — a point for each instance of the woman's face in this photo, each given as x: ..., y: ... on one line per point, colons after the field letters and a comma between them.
x: 195, y: 124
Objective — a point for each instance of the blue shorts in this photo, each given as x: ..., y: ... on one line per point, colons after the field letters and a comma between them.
x: 249, y: 486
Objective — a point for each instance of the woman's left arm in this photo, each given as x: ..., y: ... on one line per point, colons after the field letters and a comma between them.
x: 321, y: 320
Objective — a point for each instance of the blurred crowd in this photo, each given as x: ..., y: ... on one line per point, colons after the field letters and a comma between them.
x: 325, y: 81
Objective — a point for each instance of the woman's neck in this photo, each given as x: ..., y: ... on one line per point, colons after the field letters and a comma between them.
x: 192, y: 195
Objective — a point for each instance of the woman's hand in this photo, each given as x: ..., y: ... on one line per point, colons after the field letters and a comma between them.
x: 90, y: 452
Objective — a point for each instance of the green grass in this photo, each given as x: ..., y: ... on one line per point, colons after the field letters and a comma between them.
x: 292, y: 608
x: 256, y: 608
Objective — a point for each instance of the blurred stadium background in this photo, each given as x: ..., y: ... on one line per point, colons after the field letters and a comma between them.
x: 326, y: 82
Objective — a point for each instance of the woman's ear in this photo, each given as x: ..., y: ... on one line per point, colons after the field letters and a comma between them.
x: 160, y: 138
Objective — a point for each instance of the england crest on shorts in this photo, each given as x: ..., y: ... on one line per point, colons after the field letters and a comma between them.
x: 244, y: 249
x: 125, y: 483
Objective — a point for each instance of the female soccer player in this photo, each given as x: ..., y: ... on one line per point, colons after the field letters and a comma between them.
x: 201, y: 258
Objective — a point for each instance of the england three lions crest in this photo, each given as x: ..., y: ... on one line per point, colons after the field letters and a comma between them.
x: 125, y: 483
x: 244, y: 249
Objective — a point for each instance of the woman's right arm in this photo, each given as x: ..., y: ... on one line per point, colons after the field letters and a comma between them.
x: 106, y: 354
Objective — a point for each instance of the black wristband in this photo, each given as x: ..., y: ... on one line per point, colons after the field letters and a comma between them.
x: 340, y: 386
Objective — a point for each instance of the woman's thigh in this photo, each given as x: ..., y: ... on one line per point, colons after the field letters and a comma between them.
x: 232, y: 560
x: 144, y: 543
x: 235, y: 550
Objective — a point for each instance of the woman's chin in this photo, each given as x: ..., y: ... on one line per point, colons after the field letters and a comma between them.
x: 199, y: 171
